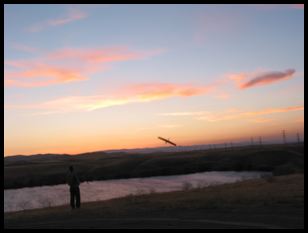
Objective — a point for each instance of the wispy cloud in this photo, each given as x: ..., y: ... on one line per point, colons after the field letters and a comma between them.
x: 276, y: 6
x: 73, y: 14
x: 100, y: 55
x: 233, y: 114
x: 200, y: 113
x: 261, y: 120
x: 66, y: 65
x: 24, y: 48
x: 245, y: 80
x: 131, y: 94
x: 247, y: 114
x: 207, y: 24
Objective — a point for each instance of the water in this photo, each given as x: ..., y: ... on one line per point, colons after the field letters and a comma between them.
x: 47, y: 196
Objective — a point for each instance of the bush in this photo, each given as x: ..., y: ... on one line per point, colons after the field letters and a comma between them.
x: 286, y: 169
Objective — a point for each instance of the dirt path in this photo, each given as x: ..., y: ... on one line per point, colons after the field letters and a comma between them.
x: 146, y: 223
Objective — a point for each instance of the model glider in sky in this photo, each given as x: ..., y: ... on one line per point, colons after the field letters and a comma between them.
x: 166, y: 141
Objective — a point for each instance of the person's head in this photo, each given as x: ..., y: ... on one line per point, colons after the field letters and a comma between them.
x: 71, y: 168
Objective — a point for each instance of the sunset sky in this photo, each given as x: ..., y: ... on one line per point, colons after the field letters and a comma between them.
x: 81, y: 78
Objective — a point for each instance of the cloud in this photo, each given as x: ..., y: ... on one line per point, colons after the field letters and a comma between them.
x: 268, y: 78
x: 233, y: 114
x: 152, y: 91
x: 208, y: 24
x: 39, y: 74
x: 212, y: 117
x: 98, y: 55
x: 131, y: 94
x: 66, y: 65
x: 297, y: 6
x: 277, y: 6
x: 244, y: 80
x: 261, y: 120
x: 24, y: 48
x: 200, y: 113
x: 71, y: 15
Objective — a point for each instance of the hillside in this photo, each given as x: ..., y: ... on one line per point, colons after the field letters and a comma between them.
x: 28, y: 171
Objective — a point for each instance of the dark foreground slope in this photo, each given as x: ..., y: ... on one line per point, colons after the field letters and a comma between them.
x: 23, y: 171
x: 276, y: 202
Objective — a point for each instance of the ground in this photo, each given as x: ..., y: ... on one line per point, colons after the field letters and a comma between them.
x: 276, y: 202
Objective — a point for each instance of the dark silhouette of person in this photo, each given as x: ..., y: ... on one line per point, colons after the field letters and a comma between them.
x: 73, y: 181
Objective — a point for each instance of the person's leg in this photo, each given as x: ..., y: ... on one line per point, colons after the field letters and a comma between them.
x: 77, y: 197
x: 72, y: 198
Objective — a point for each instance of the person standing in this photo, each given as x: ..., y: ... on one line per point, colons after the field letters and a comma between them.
x: 73, y: 181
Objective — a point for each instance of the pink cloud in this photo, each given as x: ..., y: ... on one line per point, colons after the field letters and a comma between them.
x: 298, y: 6
x: 72, y: 15
x: 97, y: 55
x: 66, y: 65
x: 42, y: 75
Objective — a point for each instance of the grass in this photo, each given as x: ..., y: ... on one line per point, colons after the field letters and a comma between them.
x: 279, y: 159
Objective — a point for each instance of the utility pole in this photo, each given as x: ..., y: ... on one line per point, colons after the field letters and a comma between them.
x: 260, y: 140
x: 251, y: 141
x: 284, y: 137
x: 298, y: 139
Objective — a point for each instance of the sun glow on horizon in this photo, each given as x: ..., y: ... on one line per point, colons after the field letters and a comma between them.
x: 197, y: 74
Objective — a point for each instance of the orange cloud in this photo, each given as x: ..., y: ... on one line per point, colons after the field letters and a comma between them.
x: 152, y: 91
x: 40, y: 74
x: 262, y: 120
x: 131, y: 94
x: 71, y: 15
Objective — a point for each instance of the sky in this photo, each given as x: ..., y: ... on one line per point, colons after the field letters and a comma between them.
x: 80, y: 78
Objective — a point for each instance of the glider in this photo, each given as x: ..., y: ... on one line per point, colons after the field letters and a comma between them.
x: 166, y: 141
